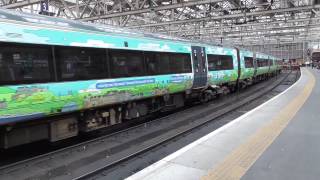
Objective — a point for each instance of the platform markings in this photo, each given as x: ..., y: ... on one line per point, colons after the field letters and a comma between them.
x: 237, y: 163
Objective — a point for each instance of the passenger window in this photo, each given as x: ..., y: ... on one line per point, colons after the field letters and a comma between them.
x: 126, y: 63
x: 220, y: 62
x: 187, y: 63
x: 259, y: 62
x: 262, y: 62
x: 167, y: 63
x: 24, y: 64
x: 266, y: 62
x: 271, y: 62
x: 180, y: 63
x: 164, y: 63
x: 152, y: 64
x: 248, y: 61
x: 81, y: 63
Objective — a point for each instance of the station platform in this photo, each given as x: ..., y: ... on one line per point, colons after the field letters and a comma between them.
x: 277, y: 140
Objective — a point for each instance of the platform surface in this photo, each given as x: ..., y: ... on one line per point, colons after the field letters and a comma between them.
x: 277, y: 140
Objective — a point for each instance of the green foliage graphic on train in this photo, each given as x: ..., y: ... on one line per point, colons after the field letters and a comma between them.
x: 222, y: 65
x: 39, y: 100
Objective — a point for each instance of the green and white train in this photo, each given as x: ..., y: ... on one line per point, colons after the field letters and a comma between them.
x: 60, y: 77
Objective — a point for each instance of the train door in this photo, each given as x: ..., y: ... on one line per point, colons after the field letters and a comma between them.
x: 239, y: 65
x: 269, y: 63
x: 255, y: 64
x: 199, y: 66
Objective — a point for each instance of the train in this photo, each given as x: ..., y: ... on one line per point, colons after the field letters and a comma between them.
x: 60, y: 77
x: 315, y: 58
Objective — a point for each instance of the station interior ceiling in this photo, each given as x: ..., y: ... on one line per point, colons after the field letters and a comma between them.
x: 284, y: 28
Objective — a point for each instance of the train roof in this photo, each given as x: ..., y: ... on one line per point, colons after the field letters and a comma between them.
x: 20, y: 18
x: 58, y: 24
x: 79, y: 25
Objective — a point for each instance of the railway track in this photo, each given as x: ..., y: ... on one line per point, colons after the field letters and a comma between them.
x: 151, y: 136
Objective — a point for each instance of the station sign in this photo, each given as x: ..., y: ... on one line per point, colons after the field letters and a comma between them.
x: 44, y: 6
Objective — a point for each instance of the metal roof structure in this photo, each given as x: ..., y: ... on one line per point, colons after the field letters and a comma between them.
x: 276, y: 26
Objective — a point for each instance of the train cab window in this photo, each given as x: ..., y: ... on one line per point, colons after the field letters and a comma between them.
x: 77, y: 63
x: 180, y: 63
x: 248, y: 62
x: 126, y: 63
x: 24, y: 64
x: 220, y: 62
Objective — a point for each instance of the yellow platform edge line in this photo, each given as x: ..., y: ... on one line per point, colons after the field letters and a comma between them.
x: 238, y: 162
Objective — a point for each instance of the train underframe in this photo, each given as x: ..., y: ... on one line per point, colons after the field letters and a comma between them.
x: 66, y: 126
x: 69, y: 125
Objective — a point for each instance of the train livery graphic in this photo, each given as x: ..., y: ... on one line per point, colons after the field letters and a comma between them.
x: 61, y: 77
x: 38, y: 100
